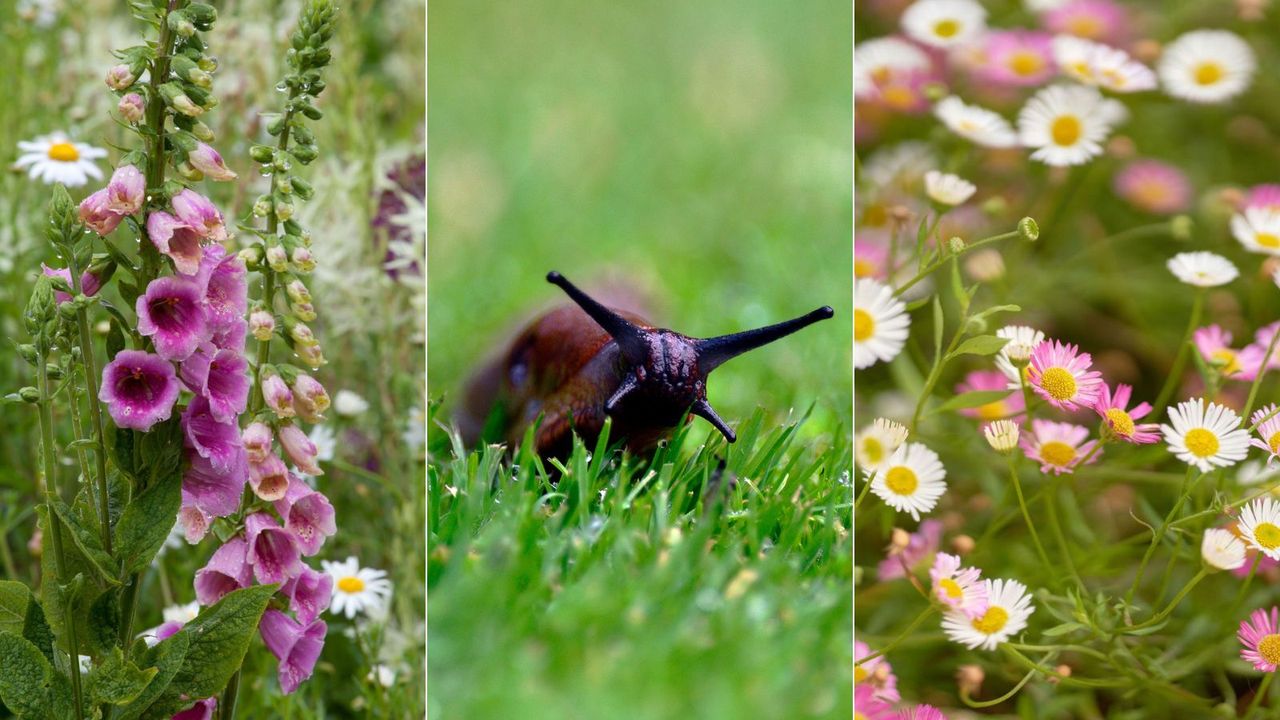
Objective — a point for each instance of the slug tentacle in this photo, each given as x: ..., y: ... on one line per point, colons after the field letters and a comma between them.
x: 714, y: 352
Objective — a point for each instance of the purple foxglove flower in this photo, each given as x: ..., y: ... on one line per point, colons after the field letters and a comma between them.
x: 127, y: 190
x: 226, y: 291
x: 215, y: 492
x: 95, y: 213
x: 208, y: 161
x: 257, y: 441
x: 222, y: 377
x: 214, y: 440
x: 172, y: 314
x: 199, y: 213
x: 272, y: 553
x: 309, y: 398
x: 269, y: 478
x: 139, y: 389
x: 202, y: 710
x: 89, y: 283
x: 308, y: 515
x: 227, y: 570
x: 262, y: 324
x: 299, y: 448
x: 131, y: 107
x: 194, y: 521
x: 309, y: 594
x: 277, y: 396
x: 168, y: 629
x: 181, y: 242
x: 231, y: 336
x: 297, y: 646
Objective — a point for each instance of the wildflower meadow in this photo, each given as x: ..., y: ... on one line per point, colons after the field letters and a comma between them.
x: 1066, y: 314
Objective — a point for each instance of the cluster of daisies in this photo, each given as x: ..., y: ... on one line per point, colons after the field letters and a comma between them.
x: 1081, y: 49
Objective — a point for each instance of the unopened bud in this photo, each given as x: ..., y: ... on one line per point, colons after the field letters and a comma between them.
x: 305, y: 312
x: 277, y: 259
x: 955, y: 245
x: 899, y: 541
x: 962, y: 544
x: 284, y: 210
x: 262, y: 153
x: 1028, y: 229
x: 303, y: 260
x: 297, y: 291
x: 1019, y: 354
x: 311, y: 355
x: 131, y: 107
x: 262, y: 206
x: 120, y: 77
x: 1180, y: 227
x: 1002, y: 436
x: 969, y: 678
x: 29, y: 394
x: 181, y: 24
x: 202, y: 132
x: 262, y: 325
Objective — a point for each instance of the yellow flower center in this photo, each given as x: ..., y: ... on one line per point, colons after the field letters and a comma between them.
x: 1226, y: 358
x: 864, y: 326
x: 881, y: 74
x: 1267, y: 240
x: 1267, y: 535
x: 1025, y: 63
x: 1085, y: 26
x: 1208, y: 73
x: 860, y: 673
x: 863, y: 268
x: 951, y: 588
x: 901, y: 480
x: 1120, y: 421
x: 993, y: 410
x: 1202, y: 443
x: 898, y: 97
x: 1115, y: 78
x: 1057, y: 453
x: 1082, y: 70
x: 872, y: 448
x: 63, y: 152
x: 1150, y: 193
x: 1269, y: 648
x: 1065, y: 130
x: 1274, y: 442
x: 859, y: 716
x: 1059, y: 383
x: 991, y: 621
x: 946, y: 28
x: 350, y: 584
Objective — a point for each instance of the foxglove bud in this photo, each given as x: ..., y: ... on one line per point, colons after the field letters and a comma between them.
x: 262, y: 325
x: 262, y: 206
x: 306, y: 312
x: 298, y: 292
x: 131, y: 107
x: 302, y: 334
x: 299, y: 448
x: 208, y: 63
x: 310, y: 398
x: 202, y: 132
x: 277, y: 259
x: 178, y: 100
x: 262, y: 153
x: 257, y: 441
x: 312, y: 355
x: 181, y: 24
x: 120, y: 77
x: 208, y: 161
x: 303, y: 260
x: 284, y: 210
x: 277, y: 395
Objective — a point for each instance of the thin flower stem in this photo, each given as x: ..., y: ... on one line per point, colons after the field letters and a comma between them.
x: 964, y: 693
x: 1026, y: 515
x: 935, y: 372
x: 905, y: 633
x: 1155, y: 619
x: 90, y: 366
x: 1262, y: 371
x: 1175, y: 372
x: 1055, y: 523
x: 1263, y: 419
x: 1244, y: 586
x: 1082, y: 649
x: 866, y: 487
x: 1183, y: 494
x: 1258, y: 696
x: 943, y: 260
x: 1064, y: 679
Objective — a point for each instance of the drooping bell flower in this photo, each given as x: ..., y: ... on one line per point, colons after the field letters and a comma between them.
x: 222, y: 377
x: 172, y: 314
x: 308, y: 515
x: 227, y: 570
x: 216, y: 492
x: 257, y: 441
x: 123, y: 196
x: 214, y: 440
x: 207, y: 160
x: 309, y: 594
x: 262, y: 324
x: 269, y: 478
x: 89, y: 284
x: 299, y: 448
x: 226, y: 287
x: 176, y: 239
x: 295, y: 645
x: 202, y: 710
x: 272, y: 552
x: 277, y: 395
x: 194, y: 521
x: 199, y: 214
x: 139, y: 389
x: 230, y: 337
x: 310, y: 399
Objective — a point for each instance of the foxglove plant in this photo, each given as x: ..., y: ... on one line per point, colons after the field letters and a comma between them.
x: 177, y: 386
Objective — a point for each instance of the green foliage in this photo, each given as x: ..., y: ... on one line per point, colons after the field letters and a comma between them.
x: 146, y: 522
x: 29, y: 685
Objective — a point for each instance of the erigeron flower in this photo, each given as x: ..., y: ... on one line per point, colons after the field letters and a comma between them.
x: 1214, y: 345
x: 947, y: 189
x: 55, y: 158
x: 989, y: 380
x: 1059, y: 447
x: 960, y: 589
x: 1203, y: 269
x: 1008, y: 607
x: 910, y: 481
x: 880, y: 323
x: 1269, y: 430
x: 1002, y: 435
x: 1205, y: 436
x: 1265, y: 196
x: 1093, y: 63
x: 877, y: 441
x: 1260, y: 636
x: 1260, y: 526
x: 868, y: 706
x: 876, y: 673
x: 1017, y: 58
x: 1060, y: 374
x: 1206, y: 66
x: 1221, y: 549
x: 1258, y: 230
x: 921, y: 712
x: 944, y: 23
x: 922, y: 545
x: 1101, y: 20
x: 1154, y: 187
x: 357, y: 590
x: 1119, y: 420
x: 1067, y: 124
x: 975, y: 124
x: 1021, y: 339
x: 879, y: 60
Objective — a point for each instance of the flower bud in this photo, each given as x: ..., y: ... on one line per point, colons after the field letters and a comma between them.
x: 262, y: 207
x: 257, y: 441
x: 969, y: 678
x: 303, y: 260
x: 120, y: 77
x: 304, y: 153
x: 208, y: 63
x: 251, y: 256
x: 277, y: 395
x: 131, y: 107
x: 208, y: 161
x: 1002, y: 436
x: 310, y: 398
x: 188, y: 171
x: 312, y: 355
x: 898, y: 541
x: 962, y: 544
x: 277, y: 259
x: 299, y: 448
x: 306, y: 312
x: 955, y: 245
x: 181, y: 24
x: 28, y: 353
x: 262, y: 153
x: 1019, y: 354
x: 202, y: 132
x: 262, y: 325
x: 302, y: 334
x: 284, y: 210
x: 29, y: 394
x: 1180, y: 227
x: 297, y: 291
x: 1028, y: 229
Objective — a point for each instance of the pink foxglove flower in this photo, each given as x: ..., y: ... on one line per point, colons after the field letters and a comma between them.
x: 123, y: 196
x: 299, y: 448
x: 202, y: 710
x: 1214, y: 345
x: 176, y: 239
x: 272, y: 553
x: 226, y: 287
x: 310, y: 399
x: 1260, y: 635
x: 208, y: 161
x: 222, y: 377
x: 199, y: 214
x: 193, y: 520
x: 1114, y: 413
x: 257, y: 441
x: 1060, y: 374
x: 139, y: 389
x: 269, y: 478
x: 119, y: 77
x: 958, y: 588
x: 89, y: 284
x: 172, y: 314
x: 214, y: 440
x: 309, y: 594
x: 214, y: 491
x: 295, y: 645
x: 227, y: 570
x: 1058, y: 447
x: 277, y: 396
x: 308, y: 515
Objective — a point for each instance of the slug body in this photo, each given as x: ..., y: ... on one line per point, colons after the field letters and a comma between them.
x: 580, y: 363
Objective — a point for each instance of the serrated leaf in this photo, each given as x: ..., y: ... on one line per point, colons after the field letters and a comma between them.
x: 21, y: 614
x: 980, y: 345
x: 86, y: 539
x: 116, y: 681
x: 146, y: 522
x: 29, y: 684
x: 974, y: 399
x: 54, y: 600
x: 166, y: 659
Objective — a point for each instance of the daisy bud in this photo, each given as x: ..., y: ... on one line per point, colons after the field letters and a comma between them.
x: 131, y: 107
x: 1002, y: 436
x: 312, y: 355
x: 899, y: 541
x: 299, y: 448
x: 1019, y: 354
x: 120, y: 77
x: 1180, y: 227
x: 257, y: 441
x: 208, y: 161
x: 1062, y: 671
x: 955, y: 245
x: 277, y: 396
x: 298, y: 292
x: 303, y: 260
x: 310, y: 398
x: 1028, y: 229
x: 1222, y: 550
x: 962, y: 544
x: 969, y: 678
x: 277, y: 259
x: 262, y: 324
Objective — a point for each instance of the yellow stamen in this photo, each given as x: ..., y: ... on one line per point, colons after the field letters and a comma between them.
x: 1267, y: 535
x: 1057, y: 453
x: 1269, y: 648
x: 951, y: 588
x: 863, y: 268
x: 1066, y: 130
x: 1274, y: 442
x: 1267, y: 240
x: 1059, y: 383
x: 901, y: 480
x: 991, y: 621
x: 1208, y: 73
x: 864, y: 326
x: 946, y: 28
x: 860, y: 673
x: 63, y: 152
x: 1025, y: 63
x: 350, y: 584
x: 1201, y: 442
x: 873, y: 449
x: 993, y: 410
x: 1120, y: 421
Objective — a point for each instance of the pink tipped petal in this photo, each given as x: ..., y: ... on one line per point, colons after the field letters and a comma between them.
x: 308, y: 515
x: 309, y: 594
x: 297, y: 646
x: 172, y: 314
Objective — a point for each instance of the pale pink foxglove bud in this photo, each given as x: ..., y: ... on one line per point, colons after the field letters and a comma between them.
x: 208, y: 161
x: 306, y: 312
x: 277, y: 259
x: 262, y: 324
x: 298, y: 292
x: 131, y: 107
x: 303, y: 260
x: 120, y: 77
x: 299, y: 448
x: 277, y: 396
x: 302, y: 334
x: 310, y: 398
x: 312, y: 355
x: 257, y: 441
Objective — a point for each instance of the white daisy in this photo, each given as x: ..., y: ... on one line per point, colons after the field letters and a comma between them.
x: 944, y: 23
x: 1206, y: 437
x: 325, y: 440
x: 1222, y: 550
x: 877, y: 441
x: 911, y: 480
x: 57, y: 159
x: 182, y: 613
x: 1021, y: 338
x: 349, y: 404
x: 1203, y: 269
x: 1258, y: 229
x: 381, y: 674
x: 1206, y: 66
x: 947, y: 189
x: 880, y: 323
x: 357, y: 590
x: 901, y: 166
x: 1260, y: 526
x: 1008, y: 607
x: 959, y: 588
x: 879, y: 59
x: 975, y: 124
x: 1093, y: 63
x: 1067, y: 124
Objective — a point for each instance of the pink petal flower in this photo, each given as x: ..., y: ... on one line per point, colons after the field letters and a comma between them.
x: 172, y: 314
x: 272, y: 552
x: 214, y: 440
x: 308, y: 515
x: 309, y: 594
x: 176, y: 239
x: 295, y: 645
x: 299, y: 448
x: 269, y: 478
x: 198, y: 212
x: 208, y: 161
x: 139, y: 389
x: 227, y: 570
x: 1260, y: 636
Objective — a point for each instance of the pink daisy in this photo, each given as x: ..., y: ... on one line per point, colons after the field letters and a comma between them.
x: 876, y: 673
x: 867, y: 705
x: 1263, y: 196
x: 1260, y: 636
x: 1262, y: 338
x: 1153, y: 186
x: 1250, y: 556
x: 1214, y: 345
x: 921, y: 547
x: 1101, y: 20
x: 1008, y: 406
x: 870, y: 257
x: 1269, y: 430
x: 1058, y: 447
x: 958, y: 588
x: 921, y: 712
x: 1021, y: 58
x: 1060, y: 374
x: 1112, y: 409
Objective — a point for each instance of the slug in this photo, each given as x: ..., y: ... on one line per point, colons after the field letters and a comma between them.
x: 582, y: 362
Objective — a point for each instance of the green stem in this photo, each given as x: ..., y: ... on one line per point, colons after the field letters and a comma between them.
x: 1244, y: 586
x: 90, y: 366
x: 905, y: 633
x: 1155, y: 619
x: 1175, y: 373
x: 1055, y: 524
x: 1258, y: 696
x: 964, y: 693
x: 866, y: 487
x: 1026, y: 514
x: 1064, y: 679
x: 1183, y: 494
x: 935, y: 372
x: 943, y: 260
x: 1257, y: 380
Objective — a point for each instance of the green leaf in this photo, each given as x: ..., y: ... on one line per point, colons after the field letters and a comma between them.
x: 121, y: 443
x: 219, y: 638
x: 974, y: 399
x: 938, y: 321
x: 166, y: 659
x: 29, y: 685
x: 162, y: 453
x: 980, y: 345
x: 65, y: 594
x: 957, y: 287
x: 86, y: 539
x: 117, y: 681
x: 22, y: 615
x: 104, y: 623
x: 1063, y: 629
x: 995, y: 309
x: 146, y: 522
